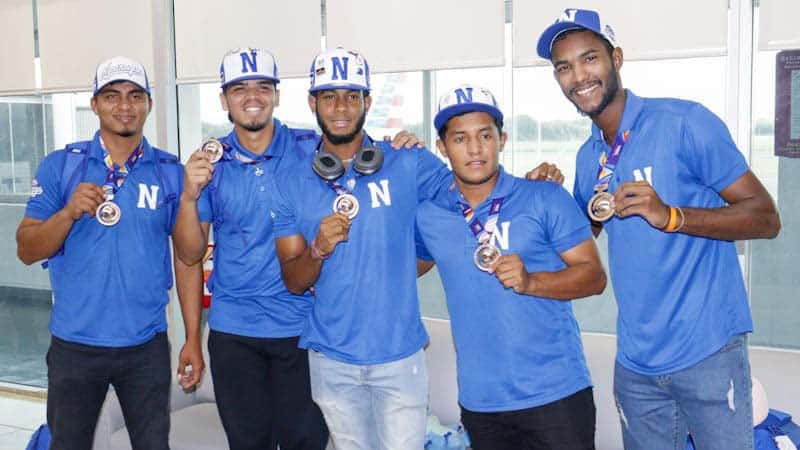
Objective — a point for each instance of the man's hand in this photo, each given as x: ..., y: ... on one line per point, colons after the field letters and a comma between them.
x: 405, y: 139
x: 546, y: 172
x: 86, y: 198
x: 197, y: 174
x: 511, y: 272
x: 190, y: 364
x: 638, y: 198
x: 332, y: 230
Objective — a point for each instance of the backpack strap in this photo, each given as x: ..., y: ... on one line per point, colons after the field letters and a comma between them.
x: 76, y: 161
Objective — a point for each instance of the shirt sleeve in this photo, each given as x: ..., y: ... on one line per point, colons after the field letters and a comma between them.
x: 284, y: 215
x: 204, y: 209
x: 580, y: 192
x: 46, y: 196
x: 432, y: 175
x: 422, y: 250
x: 711, y: 153
x: 566, y: 225
x: 176, y: 201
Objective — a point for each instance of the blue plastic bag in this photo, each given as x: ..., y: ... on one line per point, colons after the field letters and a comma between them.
x: 40, y: 439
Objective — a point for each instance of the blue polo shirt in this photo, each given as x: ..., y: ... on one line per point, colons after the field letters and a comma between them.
x: 366, y: 309
x: 111, y: 283
x: 249, y: 296
x: 514, y: 351
x: 680, y: 297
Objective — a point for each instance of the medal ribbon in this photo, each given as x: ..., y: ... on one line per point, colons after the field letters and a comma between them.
x: 116, y: 175
x: 609, y: 163
x: 482, y: 233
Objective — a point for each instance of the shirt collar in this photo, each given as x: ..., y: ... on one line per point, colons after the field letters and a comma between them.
x: 275, y: 148
x: 502, y: 188
x: 633, y: 108
x: 96, y: 149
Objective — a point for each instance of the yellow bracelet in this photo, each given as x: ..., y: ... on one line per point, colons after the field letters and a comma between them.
x: 673, y: 220
x: 676, y: 220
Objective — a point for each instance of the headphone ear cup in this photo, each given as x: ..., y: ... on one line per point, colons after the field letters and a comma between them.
x: 328, y: 166
x: 368, y: 160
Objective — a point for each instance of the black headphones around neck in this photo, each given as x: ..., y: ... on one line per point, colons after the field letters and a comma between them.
x: 329, y: 167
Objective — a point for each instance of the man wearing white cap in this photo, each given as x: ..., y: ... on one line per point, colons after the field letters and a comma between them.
x: 512, y: 254
x: 344, y: 225
x: 261, y: 380
x: 101, y: 213
x: 664, y: 179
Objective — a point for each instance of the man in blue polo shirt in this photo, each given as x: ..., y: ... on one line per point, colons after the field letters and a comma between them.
x: 261, y: 379
x: 665, y: 180
x: 260, y: 375
x: 365, y: 333
x: 512, y: 254
x: 102, y: 212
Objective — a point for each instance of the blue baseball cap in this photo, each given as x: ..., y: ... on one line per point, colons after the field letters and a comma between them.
x: 574, y: 19
x: 248, y: 64
x: 464, y: 99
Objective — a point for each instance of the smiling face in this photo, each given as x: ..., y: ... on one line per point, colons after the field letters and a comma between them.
x: 587, y: 73
x: 340, y: 113
x: 250, y: 103
x: 122, y: 108
x: 473, y: 142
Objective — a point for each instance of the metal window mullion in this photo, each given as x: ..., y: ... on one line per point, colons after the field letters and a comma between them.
x: 11, y: 140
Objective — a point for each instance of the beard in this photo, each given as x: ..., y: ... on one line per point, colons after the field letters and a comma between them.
x: 253, y: 127
x: 608, y: 96
x: 126, y: 133
x: 339, y: 139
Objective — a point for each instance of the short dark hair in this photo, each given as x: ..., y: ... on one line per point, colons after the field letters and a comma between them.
x: 272, y: 82
x: 443, y: 131
x: 609, y: 47
x: 365, y: 91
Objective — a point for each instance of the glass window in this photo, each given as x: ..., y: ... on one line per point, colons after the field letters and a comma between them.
x: 774, y: 276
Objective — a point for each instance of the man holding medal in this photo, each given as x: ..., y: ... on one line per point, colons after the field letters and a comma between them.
x: 665, y: 180
x: 261, y: 380
x: 345, y: 226
x: 511, y: 254
x: 101, y: 213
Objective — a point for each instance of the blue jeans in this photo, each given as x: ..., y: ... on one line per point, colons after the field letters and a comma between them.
x: 711, y: 400
x: 372, y: 407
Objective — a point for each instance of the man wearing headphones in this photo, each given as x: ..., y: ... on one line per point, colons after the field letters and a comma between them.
x: 345, y: 226
x: 261, y: 379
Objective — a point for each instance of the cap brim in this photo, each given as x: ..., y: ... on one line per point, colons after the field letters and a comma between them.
x: 100, y: 88
x: 249, y: 77
x: 544, y: 46
x: 334, y: 86
x: 456, y: 110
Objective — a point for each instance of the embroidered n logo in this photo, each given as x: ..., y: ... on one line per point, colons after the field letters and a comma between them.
x: 148, y: 196
x: 648, y: 175
x: 500, y: 235
x: 381, y: 194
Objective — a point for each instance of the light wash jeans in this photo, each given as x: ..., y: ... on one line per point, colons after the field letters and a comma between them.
x: 712, y: 400
x: 372, y: 407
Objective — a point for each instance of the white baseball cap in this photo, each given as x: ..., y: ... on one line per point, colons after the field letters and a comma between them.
x: 120, y: 68
x: 339, y: 69
x: 464, y: 99
x: 247, y: 64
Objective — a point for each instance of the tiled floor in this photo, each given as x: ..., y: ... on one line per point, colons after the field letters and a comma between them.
x: 19, y: 418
